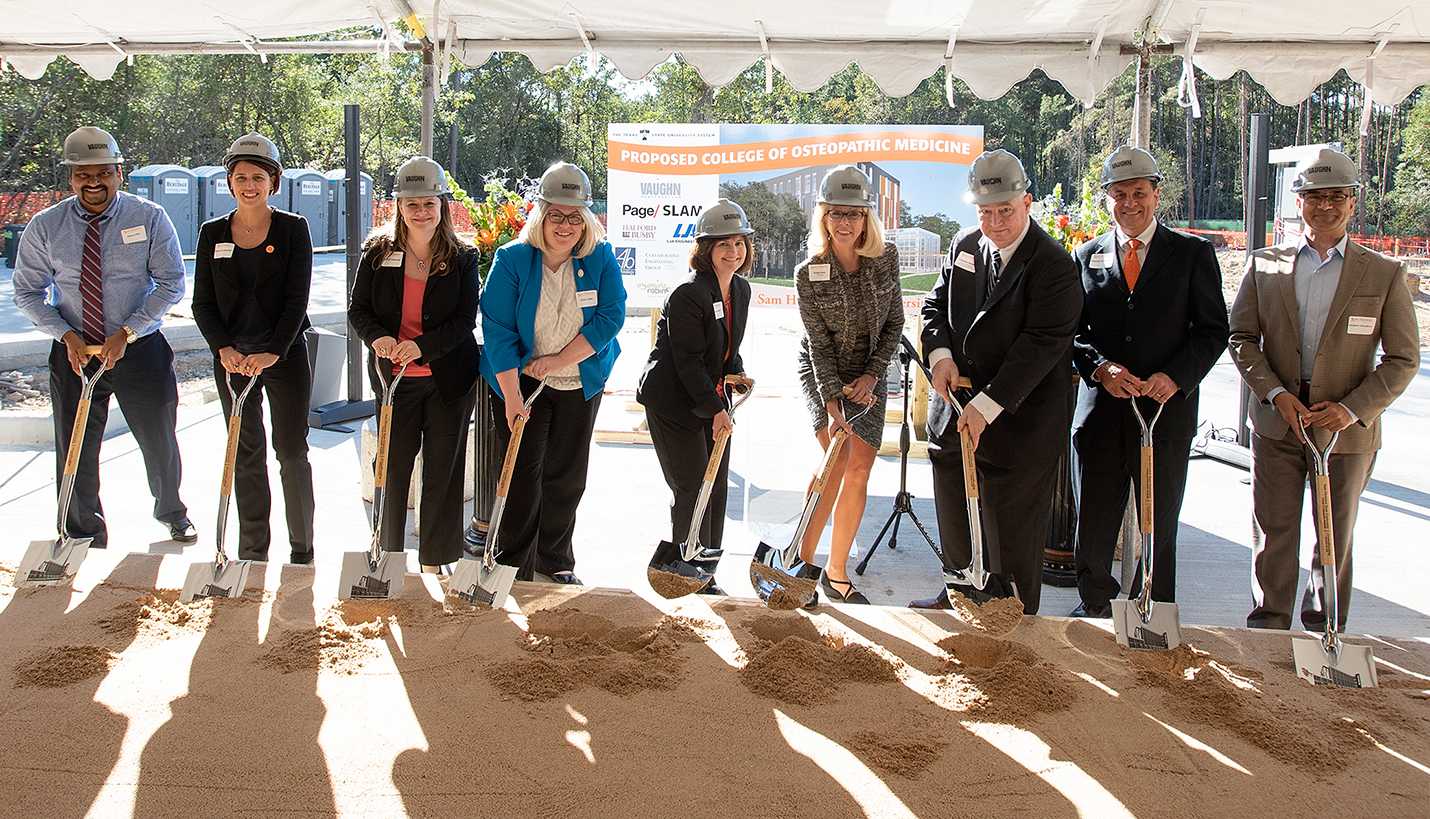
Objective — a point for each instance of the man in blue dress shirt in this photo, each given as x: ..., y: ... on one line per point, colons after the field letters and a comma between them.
x: 101, y: 269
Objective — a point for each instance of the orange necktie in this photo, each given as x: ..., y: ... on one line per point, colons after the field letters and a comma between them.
x: 1131, y: 267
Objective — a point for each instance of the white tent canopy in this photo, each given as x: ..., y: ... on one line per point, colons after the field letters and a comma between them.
x: 1288, y: 47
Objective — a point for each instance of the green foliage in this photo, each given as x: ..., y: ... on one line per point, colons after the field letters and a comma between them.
x: 1073, y: 222
x: 1411, y: 196
x: 779, y: 225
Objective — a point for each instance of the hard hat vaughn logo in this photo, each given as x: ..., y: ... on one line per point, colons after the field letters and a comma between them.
x: 415, y: 178
x: 992, y: 180
x: 567, y: 186
x: 96, y: 146
x: 1123, y: 164
x: 850, y: 186
x: 1319, y: 169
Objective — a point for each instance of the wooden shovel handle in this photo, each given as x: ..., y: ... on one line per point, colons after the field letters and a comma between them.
x: 230, y: 458
x: 384, y: 431
x: 81, y: 418
x: 1325, y: 530
x: 827, y: 467
x: 716, y: 454
x: 513, y: 448
x: 970, y: 466
x: 1144, y: 506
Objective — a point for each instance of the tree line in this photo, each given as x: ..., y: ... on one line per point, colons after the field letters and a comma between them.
x: 505, y: 119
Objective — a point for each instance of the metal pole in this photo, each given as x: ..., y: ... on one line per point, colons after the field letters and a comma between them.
x: 1142, y: 109
x: 429, y: 94
x: 353, y: 177
x: 1258, y: 172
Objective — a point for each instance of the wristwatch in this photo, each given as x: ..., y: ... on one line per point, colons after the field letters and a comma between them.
x: 129, y: 334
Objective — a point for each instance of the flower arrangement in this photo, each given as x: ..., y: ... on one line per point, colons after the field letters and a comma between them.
x: 1073, y: 223
x: 495, y: 221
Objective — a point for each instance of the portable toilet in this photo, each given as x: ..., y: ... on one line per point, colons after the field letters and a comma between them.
x: 215, y: 199
x: 308, y: 197
x: 176, y: 190
x: 338, y: 205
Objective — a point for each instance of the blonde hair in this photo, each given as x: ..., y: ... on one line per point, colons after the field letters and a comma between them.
x: 871, y: 244
x: 592, y: 233
x: 393, y: 236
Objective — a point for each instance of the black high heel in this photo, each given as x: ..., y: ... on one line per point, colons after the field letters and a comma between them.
x: 848, y: 594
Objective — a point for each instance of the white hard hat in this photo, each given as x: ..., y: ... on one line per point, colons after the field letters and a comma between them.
x: 254, y: 147
x: 1127, y: 163
x: 1329, y: 168
x: 91, y: 146
x: 724, y: 218
x: 420, y: 176
x: 996, y: 176
x: 848, y: 186
x: 565, y: 184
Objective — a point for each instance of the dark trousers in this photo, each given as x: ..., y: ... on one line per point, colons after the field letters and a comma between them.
x: 422, y: 421
x: 1107, y: 461
x: 289, y: 385
x: 1279, y: 470
x: 548, y: 480
x: 683, y: 443
x: 1015, y: 501
x: 143, y: 382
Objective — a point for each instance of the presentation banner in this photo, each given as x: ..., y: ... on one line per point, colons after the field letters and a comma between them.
x: 660, y: 177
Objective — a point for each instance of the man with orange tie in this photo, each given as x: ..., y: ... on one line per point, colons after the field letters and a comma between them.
x: 1153, y: 323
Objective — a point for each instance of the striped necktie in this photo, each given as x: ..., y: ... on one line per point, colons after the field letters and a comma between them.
x: 91, y: 284
x: 1131, y: 266
x: 995, y: 267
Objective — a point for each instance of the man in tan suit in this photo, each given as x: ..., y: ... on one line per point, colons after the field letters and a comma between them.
x: 1305, y: 330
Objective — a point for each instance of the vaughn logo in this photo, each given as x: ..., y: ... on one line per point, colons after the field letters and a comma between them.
x: 992, y: 180
x: 660, y: 189
x: 570, y: 186
x: 95, y: 146
x: 850, y: 186
x: 415, y: 178
x: 1314, y: 169
x: 1124, y: 163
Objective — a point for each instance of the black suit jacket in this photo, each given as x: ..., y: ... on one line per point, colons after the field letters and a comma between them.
x: 690, y: 343
x: 1016, y: 347
x: 282, y: 286
x: 449, y: 315
x: 1175, y: 322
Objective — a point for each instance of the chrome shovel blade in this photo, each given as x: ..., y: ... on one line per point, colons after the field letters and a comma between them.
x: 475, y: 586
x: 47, y: 563
x: 1162, y: 630
x: 1349, y: 667
x: 358, y: 580
x: 214, y: 580
x: 779, y: 586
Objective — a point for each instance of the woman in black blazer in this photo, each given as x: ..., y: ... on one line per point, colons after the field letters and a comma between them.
x: 252, y: 271
x: 415, y: 302
x: 697, y: 344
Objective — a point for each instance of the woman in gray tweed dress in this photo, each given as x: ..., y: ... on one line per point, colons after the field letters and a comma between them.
x: 852, y: 307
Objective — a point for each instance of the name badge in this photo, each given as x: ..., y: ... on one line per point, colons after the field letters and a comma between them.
x: 134, y: 234
x: 394, y: 259
x: 964, y: 261
x: 585, y: 298
x: 719, y: 309
x: 1102, y: 261
x: 819, y: 272
x: 1360, y: 325
x: 223, y: 250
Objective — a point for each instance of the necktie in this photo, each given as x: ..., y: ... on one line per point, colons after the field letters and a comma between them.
x: 995, y: 267
x: 1131, y: 266
x: 91, y: 285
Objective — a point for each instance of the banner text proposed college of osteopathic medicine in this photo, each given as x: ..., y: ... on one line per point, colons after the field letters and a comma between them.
x: 661, y: 176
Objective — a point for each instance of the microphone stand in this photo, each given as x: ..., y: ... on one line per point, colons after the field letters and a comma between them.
x: 903, y: 502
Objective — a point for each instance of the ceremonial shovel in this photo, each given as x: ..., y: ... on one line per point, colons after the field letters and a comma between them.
x: 678, y: 570
x: 222, y: 577
x: 1328, y: 661
x: 1146, y: 624
x: 53, y: 562
x: 375, y: 574
x: 483, y: 582
x: 780, y: 578
x: 977, y: 582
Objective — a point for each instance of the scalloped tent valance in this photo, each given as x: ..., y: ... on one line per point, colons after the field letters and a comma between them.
x: 1290, y: 48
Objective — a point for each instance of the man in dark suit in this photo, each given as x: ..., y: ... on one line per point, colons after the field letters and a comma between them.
x: 1001, y: 314
x: 1153, y: 324
x: 1306, y: 328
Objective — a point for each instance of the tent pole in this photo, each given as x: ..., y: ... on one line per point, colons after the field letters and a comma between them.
x: 1142, y: 109
x: 429, y: 94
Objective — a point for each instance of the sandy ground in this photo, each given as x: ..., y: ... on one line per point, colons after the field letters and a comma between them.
x: 601, y: 703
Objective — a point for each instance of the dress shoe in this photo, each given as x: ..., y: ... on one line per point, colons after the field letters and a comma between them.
x: 183, y: 531
x: 1092, y: 610
x: 568, y: 578
x: 301, y: 558
x: 841, y: 591
x: 940, y: 602
x: 712, y: 589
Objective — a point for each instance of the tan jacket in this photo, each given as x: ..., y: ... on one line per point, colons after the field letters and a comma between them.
x: 1266, y: 338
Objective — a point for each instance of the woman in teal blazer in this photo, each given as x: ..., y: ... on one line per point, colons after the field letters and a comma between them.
x: 552, y: 308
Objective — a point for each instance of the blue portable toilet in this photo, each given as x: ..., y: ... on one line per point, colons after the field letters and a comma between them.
x: 176, y: 190
x: 338, y: 205
x: 308, y: 197
x: 215, y: 199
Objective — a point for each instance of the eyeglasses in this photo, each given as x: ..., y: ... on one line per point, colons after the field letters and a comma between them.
x: 845, y: 215
x: 564, y: 218
x: 1317, y: 200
